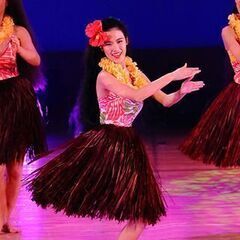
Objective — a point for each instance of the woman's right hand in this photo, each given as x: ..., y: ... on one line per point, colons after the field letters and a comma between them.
x: 185, y: 72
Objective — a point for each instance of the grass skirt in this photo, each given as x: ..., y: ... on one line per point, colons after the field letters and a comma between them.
x: 21, y: 126
x: 216, y: 138
x: 103, y: 173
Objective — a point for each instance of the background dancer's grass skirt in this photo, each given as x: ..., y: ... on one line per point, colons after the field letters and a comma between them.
x: 21, y: 126
x: 216, y: 138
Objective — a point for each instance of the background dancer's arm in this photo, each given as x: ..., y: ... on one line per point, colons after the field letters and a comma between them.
x: 25, y: 47
x: 230, y: 42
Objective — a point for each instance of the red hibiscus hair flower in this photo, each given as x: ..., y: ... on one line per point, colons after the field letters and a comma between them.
x: 96, y: 35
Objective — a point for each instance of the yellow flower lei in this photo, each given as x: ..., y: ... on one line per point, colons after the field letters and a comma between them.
x: 234, y: 23
x: 130, y: 76
x: 7, y: 28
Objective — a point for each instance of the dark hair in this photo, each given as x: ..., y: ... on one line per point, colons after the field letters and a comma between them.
x: 87, y: 104
x: 16, y: 10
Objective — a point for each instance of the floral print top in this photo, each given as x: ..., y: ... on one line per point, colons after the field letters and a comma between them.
x: 8, y: 65
x: 117, y: 110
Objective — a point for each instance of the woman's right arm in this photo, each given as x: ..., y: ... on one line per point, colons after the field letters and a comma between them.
x: 110, y: 83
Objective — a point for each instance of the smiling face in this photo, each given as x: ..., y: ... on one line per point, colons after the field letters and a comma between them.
x: 115, y: 47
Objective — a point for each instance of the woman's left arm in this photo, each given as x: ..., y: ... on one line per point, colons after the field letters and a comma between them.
x: 25, y: 47
x: 168, y: 100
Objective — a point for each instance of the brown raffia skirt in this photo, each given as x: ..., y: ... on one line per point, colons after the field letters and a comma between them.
x: 103, y: 173
x: 216, y: 138
x: 21, y: 125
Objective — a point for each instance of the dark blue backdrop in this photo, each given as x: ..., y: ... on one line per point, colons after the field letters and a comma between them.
x: 59, y: 24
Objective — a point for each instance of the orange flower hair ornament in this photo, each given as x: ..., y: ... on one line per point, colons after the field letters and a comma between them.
x: 96, y: 35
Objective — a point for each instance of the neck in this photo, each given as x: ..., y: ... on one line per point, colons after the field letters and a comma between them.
x: 123, y: 63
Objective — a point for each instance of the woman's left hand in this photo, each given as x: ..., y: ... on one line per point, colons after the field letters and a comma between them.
x: 188, y: 86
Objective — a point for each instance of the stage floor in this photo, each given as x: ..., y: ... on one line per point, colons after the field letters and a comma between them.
x: 203, y: 203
